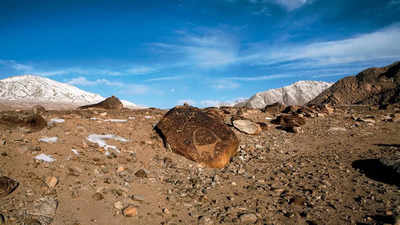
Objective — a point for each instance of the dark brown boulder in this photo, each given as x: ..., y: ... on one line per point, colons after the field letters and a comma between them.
x: 7, y: 186
x: 198, y: 136
x: 289, y: 121
x: 109, y: 103
x: 12, y: 119
x: 275, y: 108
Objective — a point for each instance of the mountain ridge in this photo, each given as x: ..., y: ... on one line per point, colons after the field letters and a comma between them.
x: 298, y: 93
x: 33, y: 89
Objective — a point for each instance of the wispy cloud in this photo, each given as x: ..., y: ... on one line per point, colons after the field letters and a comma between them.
x: 382, y: 44
x: 85, y: 82
x: 216, y: 103
x: 210, y: 49
x: 165, y: 78
x: 223, y: 84
x: 140, y: 70
x: 287, y: 4
x: 258, y: 78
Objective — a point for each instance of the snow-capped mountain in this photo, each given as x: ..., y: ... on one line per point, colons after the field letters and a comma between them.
x: 298, y: 93
x: 39, y: 90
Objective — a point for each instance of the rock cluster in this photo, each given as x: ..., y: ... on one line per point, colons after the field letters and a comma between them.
x: 109, y: 103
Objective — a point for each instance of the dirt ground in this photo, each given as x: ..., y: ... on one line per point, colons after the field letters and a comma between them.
x: 328, y: 173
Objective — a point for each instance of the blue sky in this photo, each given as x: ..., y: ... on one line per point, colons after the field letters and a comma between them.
x: 161, y: 53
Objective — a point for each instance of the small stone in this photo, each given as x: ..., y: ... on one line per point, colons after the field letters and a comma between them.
x: 130, y: 211
x: 248, y: 218
x: 3, y: 142
x: 120, y: 169
x: 141, y: 173
x: 31, y: 222
x: 165, y: 210
x: 118, y: 205
x: 51, y: 181
x: 204, y: 220
x: 7, y: 186
x: 74, y: 171
x: 98, y: 196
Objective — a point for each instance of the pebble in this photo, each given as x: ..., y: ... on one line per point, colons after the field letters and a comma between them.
x: 204, y: 220
x: 248, y: 218
x: 74, y: 171
x: 118, y: 205
x: 98, y: 196
x: 51, y: 182
x: 130, y: 211
x: 141, y: 173
x: 165, y: 210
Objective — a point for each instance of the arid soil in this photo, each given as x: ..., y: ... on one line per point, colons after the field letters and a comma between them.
x: 327, y: 173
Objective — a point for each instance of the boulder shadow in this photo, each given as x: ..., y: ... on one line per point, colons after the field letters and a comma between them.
x: 374, y: 169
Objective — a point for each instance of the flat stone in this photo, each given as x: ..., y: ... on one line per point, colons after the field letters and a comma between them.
x: 248, y: 218
x: 51, y: 182
x: 141, y: 173
x: 247, y: 126
x: 130, y: 211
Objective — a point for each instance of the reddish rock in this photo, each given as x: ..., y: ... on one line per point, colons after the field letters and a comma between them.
x: 109, y: 103
x: 34, y: 122
x: 198, y: 136
x: 275, y: 108
x: 289, y: 121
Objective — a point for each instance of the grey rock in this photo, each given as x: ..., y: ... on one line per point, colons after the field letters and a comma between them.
x: 247, y: 126
x: 248, y: 218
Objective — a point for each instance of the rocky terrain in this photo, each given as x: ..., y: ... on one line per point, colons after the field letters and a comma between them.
x: 97, y: 166
x: 298, y: 93
x: 373, y: 86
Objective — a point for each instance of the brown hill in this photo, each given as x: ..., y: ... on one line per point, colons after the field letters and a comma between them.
x: 373, y: 86
x: 109, y: 103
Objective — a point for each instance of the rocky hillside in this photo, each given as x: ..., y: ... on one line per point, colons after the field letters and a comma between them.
x: 373, y: 86
x: 39, y: 90
x: 298, y: 93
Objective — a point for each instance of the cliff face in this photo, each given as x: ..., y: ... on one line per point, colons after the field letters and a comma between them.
x: 373, y: 86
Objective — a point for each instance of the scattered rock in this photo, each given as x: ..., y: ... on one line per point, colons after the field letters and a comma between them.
x: 130, y: 211
x: 274, y: 108
x: 118, y: 205
x: 198, y: 136
x: 247, y: 126
x: 46, y: 206
x: 74, y: 171
x: 289, y: 121
x: 29, y: 121
x: 7, y: 186
x: 38, y: 109
x: 204, y: 220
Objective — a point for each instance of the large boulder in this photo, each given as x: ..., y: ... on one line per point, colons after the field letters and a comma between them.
x: 199, y: 136
x: 274, y: 108
x: 31, y: 121
x: 109, y: 103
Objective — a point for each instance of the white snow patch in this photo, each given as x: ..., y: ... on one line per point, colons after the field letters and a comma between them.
x: 45, y: 158
x: 75, y: 151
x: 268, y: 118
x: 55, y: 120
x: 116, y: 120
x: 99, y: 139
x: 49, y: 139
x: 148, y: 117
x: 94, y: 118
x: 131, y: 118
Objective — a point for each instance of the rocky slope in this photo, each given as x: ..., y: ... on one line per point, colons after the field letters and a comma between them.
x: 373, y: 86
x: 30, y: 90
x: 298, y: 93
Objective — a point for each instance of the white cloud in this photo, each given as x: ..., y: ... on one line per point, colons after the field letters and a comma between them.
x: 382, y: 44
x: 165, y: 78
x: 258, y: 78
x: 85, y: 82
x: 140, y: 70
x: 225, y: 84
x: 16, y: 66
x: 188, y: 101
x: 290, y: 4
x: 211, y: 49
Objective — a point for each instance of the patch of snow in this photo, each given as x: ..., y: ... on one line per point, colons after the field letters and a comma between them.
x: 45, y: 158
x: 75, y: 151
x: 99, y: 139
x: 268, y: 118
x: 148, y: 117
x: 116, y: 120
x: 55, y: 120
x: 49, y: 139
x: 131, y: 118
x: 94, y: 118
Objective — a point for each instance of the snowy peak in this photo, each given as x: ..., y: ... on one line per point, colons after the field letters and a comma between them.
x: 37, y: 90
x: 298, y: 93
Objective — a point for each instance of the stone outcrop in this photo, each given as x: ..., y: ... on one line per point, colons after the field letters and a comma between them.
x: 29, y: 120
x: 199, y: 136
x: 374, y: 86
x: 109, y: 103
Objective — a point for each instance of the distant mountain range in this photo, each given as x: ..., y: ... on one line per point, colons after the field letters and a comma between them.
x: 30, y: 90
x: 298, y: 93
x: 373, y: 86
